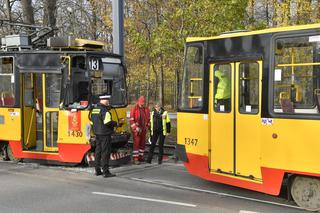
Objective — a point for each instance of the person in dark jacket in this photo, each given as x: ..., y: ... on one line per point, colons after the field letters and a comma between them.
x: 160, y: 127
x: 103, y: 127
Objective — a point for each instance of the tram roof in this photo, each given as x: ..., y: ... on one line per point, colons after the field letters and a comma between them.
x: 75, y: 52
x: 256, y: 32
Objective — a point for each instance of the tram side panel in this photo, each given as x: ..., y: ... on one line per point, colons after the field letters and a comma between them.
x: 73, y: 135
x: 10, y: 124
x: 193, y: 140
x: 291, y: 146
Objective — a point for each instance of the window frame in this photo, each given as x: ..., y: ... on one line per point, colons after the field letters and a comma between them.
x: 231, y: 64
x: 47, y: 91
x: 205, y: 77
x: 16, y: 86
x: 259, y: 92
x: 274, y: 38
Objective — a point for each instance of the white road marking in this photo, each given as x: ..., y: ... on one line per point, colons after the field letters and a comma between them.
x: 245, y: 211
x: 145, y: 199
x: 213, y: 192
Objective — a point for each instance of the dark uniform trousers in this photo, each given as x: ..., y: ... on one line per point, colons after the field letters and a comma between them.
x: 102, y: 152
x: 155, y: 136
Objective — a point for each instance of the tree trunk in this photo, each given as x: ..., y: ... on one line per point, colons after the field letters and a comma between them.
x: 157, y: 80
x: 27, y: 9
x: 177, y: 90
x: 275, y: 15
x: 267, y: 12
x: 49, y: 18
x: 251, y: 4
x: 148, y: 80
x: 318, y: 11
x: 94, y: 26
x: 161, y: 79
x: 8, y: 6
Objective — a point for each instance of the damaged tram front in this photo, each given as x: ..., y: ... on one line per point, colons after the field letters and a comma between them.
x: 46, y: 97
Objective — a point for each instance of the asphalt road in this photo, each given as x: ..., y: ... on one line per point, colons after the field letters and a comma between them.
x: 30, y: 188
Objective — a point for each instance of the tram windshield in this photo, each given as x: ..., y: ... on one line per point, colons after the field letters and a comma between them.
x: 192, y: 80
x: 297, y: 75
x: 106, y: 79
x: 111, y: 83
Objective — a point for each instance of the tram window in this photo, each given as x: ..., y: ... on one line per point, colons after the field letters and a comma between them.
x: 7, y: 87
x: 222, y: 88
x: 101, y: 87
x: 192, y: 80
x: 297, y: 75
x: 79, y: 62
x: 28, y: 90
x: 52, y: 129
x: 53, y: 90
x: 249, y: 88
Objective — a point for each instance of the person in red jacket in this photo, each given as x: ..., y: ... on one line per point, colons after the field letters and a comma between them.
x: 140, y: 122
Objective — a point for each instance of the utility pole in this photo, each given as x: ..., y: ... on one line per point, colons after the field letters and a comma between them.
x: 117, y: 32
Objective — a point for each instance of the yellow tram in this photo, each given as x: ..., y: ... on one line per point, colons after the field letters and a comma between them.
x: 46, y: 95
x: 249, y: 114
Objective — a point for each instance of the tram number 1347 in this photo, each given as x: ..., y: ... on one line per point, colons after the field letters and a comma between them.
x: 191, y: 141
x: 75, y: 134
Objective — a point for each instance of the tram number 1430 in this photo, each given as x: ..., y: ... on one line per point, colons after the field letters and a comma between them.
x: 75, y: 134
x: 191, y: 141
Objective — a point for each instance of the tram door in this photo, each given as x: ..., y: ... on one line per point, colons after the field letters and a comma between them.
x: 236, y: 119
x: 41, y: 95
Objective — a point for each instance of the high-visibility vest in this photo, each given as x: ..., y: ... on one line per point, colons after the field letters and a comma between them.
x: 165, y: 120
x: 101, y: 120
x: 223, y: 87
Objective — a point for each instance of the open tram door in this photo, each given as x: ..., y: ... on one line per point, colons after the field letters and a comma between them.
x: 40, y: 98
x: 235, y: 115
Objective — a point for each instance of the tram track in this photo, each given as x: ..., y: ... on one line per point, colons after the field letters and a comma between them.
x: 220, y: 194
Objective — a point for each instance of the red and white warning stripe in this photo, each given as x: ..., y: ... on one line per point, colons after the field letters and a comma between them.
x: 90, y: 157
x: 113, y: 156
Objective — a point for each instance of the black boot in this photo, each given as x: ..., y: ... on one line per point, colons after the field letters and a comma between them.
x: 98, y: 172
x: 107, y: 174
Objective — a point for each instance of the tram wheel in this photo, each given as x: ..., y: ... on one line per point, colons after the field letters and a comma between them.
x: 11, y: 156
x: 306, y: 192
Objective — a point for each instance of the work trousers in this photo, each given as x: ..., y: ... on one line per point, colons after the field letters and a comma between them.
x: 139, y: 143
x: 155, y: 136
x: 102, y: 152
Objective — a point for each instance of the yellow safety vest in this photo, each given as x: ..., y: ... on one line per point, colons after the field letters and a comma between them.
x: 223, y: 87
x: 165, y: 120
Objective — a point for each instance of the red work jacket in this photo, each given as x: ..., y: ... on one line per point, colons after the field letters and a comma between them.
x: 139, y: 119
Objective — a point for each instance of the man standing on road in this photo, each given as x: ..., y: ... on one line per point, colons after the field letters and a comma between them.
x: 140, y: 122
x: 103, y: 126
x: 160, y: 127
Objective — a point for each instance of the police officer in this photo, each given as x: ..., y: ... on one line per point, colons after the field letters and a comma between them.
x: 103, y: 126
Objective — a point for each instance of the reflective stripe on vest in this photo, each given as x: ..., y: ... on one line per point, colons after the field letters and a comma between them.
x: 107, y: 118
x: 95, y: 111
